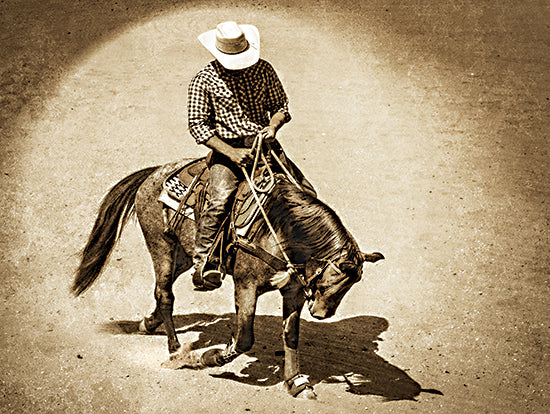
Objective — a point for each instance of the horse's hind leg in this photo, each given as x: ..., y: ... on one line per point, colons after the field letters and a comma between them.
x: 182, y: 262
x: 168, y: 262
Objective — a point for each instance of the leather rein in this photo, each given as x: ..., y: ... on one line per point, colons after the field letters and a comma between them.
x: 285, y: 266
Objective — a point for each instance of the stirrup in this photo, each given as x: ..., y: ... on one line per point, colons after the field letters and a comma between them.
x: 209, y: 279
x: 297, y: 384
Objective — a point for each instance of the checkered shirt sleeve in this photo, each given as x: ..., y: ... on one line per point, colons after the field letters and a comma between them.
x: 200, y: 110
x: 277, y: 100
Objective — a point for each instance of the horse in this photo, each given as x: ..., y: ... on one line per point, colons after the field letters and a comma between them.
x: 310, y: 233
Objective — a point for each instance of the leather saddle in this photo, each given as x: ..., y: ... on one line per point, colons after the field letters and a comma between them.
x: 184, y: 194
x: 184, y: 191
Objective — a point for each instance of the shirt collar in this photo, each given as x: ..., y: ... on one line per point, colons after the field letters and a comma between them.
x: 218, y: 67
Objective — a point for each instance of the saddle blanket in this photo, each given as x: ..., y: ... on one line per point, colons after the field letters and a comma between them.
x: 176, y: 187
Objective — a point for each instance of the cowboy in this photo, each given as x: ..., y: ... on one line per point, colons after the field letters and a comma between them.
x: 230, y: 101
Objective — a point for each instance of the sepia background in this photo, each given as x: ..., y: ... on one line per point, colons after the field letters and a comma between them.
x: 424, y: 124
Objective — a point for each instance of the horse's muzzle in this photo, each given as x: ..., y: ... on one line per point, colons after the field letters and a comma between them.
x: 319, y: 310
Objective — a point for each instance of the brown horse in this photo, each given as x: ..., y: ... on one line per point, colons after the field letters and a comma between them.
x: 311, y: 234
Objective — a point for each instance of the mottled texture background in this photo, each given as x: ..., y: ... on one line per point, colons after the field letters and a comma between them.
x: 423, y: 124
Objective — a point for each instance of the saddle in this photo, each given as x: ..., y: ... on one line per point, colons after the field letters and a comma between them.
x: 184, y: 190
x: 184, y: 194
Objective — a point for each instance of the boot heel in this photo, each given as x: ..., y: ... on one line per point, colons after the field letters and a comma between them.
x: 212, y: 279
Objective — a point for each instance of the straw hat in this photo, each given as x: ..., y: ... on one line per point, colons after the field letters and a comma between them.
x: 235, y: 46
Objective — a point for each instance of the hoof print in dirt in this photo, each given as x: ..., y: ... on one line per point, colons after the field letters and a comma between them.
x: 184, y: 358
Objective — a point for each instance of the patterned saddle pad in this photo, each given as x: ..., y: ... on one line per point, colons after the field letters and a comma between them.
x: 176, y: 187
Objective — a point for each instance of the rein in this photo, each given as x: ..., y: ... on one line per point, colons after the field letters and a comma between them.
x: 283, y: 277
x: 280, y: 265
x: 285, y: 268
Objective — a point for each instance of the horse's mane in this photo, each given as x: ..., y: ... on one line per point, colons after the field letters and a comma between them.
x: 309, y: 226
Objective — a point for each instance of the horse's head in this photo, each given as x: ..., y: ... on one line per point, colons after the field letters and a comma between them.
x: 330, y: 280
x: 314, y: 235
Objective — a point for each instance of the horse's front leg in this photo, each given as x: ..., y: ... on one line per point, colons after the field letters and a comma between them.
x: 245, y: 305
x: 293, y: 301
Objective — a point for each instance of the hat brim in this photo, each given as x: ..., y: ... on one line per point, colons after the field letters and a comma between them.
x: 240, y: 60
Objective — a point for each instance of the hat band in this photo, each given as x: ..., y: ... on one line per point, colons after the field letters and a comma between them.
x: 232, y: 46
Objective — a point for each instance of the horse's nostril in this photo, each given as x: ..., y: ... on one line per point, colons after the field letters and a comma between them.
x: 321, y: 314
x: 317, y: 311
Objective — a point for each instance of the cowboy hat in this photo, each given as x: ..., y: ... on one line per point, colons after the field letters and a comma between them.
x: 235, y: 46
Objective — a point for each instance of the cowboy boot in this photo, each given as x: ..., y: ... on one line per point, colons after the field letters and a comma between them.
x: 206, y: 276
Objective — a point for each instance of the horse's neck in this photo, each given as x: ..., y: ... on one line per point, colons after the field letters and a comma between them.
x: 307, y: 226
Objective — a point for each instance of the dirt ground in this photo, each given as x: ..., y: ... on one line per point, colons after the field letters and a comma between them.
x: 423, y: 124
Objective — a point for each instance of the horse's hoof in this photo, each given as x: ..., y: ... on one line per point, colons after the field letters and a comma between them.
x: 212, y: 357
x: 307, y: 394
x: 299, y: 387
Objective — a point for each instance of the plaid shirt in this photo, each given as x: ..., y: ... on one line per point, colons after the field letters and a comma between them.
x: 234, y: 105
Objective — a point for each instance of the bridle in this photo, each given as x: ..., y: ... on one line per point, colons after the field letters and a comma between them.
x: 307, y: 283
x: 290, y: 270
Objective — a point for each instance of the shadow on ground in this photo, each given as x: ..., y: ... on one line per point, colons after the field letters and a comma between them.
x: 333, y: 352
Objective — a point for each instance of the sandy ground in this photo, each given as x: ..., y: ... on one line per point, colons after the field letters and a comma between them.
x: 424, y: 125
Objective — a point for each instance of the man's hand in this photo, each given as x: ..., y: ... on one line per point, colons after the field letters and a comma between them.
x: 275, y: 123
x: 240, y: 156
x: 269, y: 134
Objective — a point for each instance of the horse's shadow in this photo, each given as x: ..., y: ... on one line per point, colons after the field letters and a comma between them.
x: 330, y: 352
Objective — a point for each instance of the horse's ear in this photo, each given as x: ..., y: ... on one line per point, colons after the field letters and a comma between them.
x: 372, y: 257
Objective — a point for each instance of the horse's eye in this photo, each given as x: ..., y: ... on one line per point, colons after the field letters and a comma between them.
x: 347, y: 266
x: 354, y: 275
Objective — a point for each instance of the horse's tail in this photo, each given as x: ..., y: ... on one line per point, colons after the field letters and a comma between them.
x: 115, y: 210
